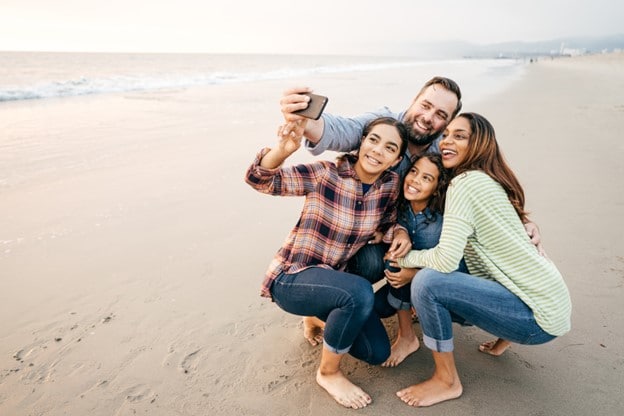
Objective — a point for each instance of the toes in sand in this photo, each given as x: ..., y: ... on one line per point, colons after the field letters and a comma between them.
x: 313, y: 330
x: 430, y: 392
x: 495, y: 347
x: 401, y: 349
x: 343, y: 391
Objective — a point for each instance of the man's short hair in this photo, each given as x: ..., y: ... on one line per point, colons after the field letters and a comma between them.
x: 450, y: 85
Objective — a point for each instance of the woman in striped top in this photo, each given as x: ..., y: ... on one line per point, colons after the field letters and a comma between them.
x: 511, y: 292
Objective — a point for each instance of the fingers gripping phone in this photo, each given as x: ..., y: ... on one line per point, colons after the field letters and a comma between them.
x: 390, y: 267
x: 315, y: 107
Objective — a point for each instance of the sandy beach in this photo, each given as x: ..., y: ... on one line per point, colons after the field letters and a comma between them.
x: 132, y: 252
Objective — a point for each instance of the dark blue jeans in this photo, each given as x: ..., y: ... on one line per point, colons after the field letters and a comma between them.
x: 368, y: 262
x: 344, y: 302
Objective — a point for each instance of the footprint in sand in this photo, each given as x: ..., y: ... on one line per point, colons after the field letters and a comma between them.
x: 276, y: 383
x: 189, y: 362
x: 137, y: 393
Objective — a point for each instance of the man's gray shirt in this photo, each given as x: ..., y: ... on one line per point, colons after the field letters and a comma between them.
x: 343, y: 134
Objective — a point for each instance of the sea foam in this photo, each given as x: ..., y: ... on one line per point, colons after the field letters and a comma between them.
x: 57, y: 76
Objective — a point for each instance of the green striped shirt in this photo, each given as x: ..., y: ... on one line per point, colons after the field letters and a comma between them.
x: 481, y: 225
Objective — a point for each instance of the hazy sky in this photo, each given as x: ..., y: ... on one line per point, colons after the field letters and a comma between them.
x: 293, y: 26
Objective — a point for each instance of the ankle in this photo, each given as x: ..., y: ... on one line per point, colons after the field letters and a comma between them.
x: 328, y: 372
x: 450, y: 379
x: 409, y: 336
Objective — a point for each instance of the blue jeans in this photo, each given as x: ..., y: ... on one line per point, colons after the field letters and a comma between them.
x: 400, y: 298
x: 368, y: 262
x: 344, y: 302
x: 443, y: 298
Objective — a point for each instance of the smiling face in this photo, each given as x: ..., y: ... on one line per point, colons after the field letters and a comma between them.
x: 429, y: 114
x: 454, y: 144
x: 421, y: 183
x: 380, y: 150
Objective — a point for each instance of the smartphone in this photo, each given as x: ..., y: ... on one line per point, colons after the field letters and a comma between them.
x: 315, y: 107
x: 390, y: 267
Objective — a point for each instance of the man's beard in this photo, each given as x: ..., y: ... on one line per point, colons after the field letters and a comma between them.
x: 422, y: 140
x: 419, y: 139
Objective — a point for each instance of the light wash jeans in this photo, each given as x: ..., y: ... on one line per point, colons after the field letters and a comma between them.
x: 443, y: 298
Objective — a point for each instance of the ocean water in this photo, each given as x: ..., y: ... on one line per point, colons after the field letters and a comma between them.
x: 56, y: 119
x: 38, y: 75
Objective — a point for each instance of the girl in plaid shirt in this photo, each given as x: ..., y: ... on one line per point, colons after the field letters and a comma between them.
x: 346, y: 203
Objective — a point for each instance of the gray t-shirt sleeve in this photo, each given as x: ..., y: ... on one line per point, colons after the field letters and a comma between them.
x: 343, y: 134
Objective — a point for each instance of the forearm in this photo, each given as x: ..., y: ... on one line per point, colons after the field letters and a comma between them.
x: 274, y: 158
x: 314, y: 131
x: 294, y: 180
x: 340, y: 134
x: 447, y: 254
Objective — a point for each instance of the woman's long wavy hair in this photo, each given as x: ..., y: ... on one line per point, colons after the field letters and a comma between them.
x: 484, y: 154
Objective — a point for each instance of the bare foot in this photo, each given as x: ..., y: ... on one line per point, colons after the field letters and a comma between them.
x: 495, y: 347
x: 401, y: 349
x: 313, y: 330
x: 414, y: 314
x: 430, y: 392
x: 342, y: 390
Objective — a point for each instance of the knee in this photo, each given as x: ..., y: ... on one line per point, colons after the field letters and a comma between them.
x: 422, y: 285
x: 368, y: 263
x: 362, y: 298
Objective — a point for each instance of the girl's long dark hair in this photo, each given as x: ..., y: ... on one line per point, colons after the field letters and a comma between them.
x: 438, y: 199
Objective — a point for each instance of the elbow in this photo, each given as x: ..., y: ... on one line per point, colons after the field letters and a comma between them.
x: 448, y: 265
x: 447, y: 269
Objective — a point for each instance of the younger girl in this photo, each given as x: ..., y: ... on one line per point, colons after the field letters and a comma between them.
x: 346, y: 203
x: 420, y: 212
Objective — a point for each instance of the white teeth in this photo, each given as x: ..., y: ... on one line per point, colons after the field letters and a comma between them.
x: 422, y: 126
x: 373, y: 160
x: 448, y: 152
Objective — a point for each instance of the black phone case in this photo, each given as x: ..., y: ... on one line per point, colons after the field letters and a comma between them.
x: 315, y: 107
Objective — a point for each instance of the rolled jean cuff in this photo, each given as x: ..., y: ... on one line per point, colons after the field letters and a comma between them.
x: 397, y: 303
x: 437, y: 345
x: 335, y: 350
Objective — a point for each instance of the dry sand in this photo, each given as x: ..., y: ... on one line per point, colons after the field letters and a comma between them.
x: 131, y: 252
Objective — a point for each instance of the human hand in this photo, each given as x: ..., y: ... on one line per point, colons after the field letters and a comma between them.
x: 536, y: 238
x: 293, y: 100
x: 290, y: 135
x: 401, y: 244
x: 400, y: 278
x: 377, y: 237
